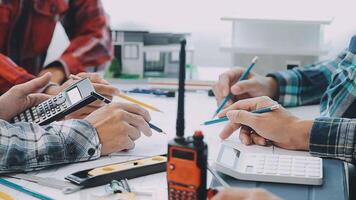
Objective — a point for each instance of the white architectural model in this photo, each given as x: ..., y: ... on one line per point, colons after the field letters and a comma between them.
x: 149, y: 54
x: 279, y: 43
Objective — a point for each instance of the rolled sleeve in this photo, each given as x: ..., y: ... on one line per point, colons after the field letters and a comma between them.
x: 334, y: 138
x: 28, y: 146
x: 306, y: 85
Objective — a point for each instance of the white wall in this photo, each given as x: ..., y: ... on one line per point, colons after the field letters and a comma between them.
x: 202, y: 19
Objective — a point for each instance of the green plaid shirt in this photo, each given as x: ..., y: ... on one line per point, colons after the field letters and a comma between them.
x: 331, y: 83
x: 28, y: 146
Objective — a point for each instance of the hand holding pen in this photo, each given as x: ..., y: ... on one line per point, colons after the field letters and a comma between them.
x: 279, y: 126
x: 241, y: 87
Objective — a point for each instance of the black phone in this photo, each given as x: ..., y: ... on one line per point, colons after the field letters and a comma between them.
x: 71, y: 99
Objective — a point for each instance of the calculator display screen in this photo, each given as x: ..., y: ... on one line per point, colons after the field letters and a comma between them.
x: 74, y: 95
x: 229, y: 156
x: 183, y: 154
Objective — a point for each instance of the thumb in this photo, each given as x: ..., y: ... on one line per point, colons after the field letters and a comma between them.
x: 36, y: 84
x: 244, y: 86
x: 242, y: 117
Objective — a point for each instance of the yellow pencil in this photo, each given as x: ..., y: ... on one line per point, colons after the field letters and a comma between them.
x: 145, y: 105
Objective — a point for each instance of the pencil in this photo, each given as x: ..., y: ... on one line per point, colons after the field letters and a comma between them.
x: 145, y: 105
x: 24, y: 190
x: 259, y: 111
x: 123, y: 96
x: 106, y: 100
x: 243, y: 76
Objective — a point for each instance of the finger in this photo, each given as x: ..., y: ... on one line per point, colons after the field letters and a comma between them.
x: 229, y: 129
x: 217, y: 93
x: 244, y: 86
x: 138, y: 122
x: 258, y: 139
x: 136, y: 109
x: 242, y: 117
x: 128, y: 144
x: 245, y: 135
x: 97, y: 104
x: 37, y: 98
x: 224, y: 83
x: 36, y: 84
x: 249, y: 104
x: 132, y: 132
x: 106, y: 90
x: 93, y: 77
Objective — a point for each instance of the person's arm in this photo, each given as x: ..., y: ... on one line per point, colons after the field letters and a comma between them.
x: 304, y: 86
x: 339, y: 100
x: 90, y: 39
x: 28, y: 146
x: 334, y: 138
x: 11, y: 74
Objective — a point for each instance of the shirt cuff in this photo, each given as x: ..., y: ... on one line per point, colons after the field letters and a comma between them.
x: 334, y: 138
x: 82, y: 143
x: 287, y: 87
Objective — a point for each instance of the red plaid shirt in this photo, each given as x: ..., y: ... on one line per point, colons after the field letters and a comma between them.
x: 26, y: 30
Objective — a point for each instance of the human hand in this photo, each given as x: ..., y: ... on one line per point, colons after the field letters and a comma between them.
x: 254, y: 86
x: 119, y: 125
x: 279, y: 126
x: 57, y: 71
x: 23, y: 96
x: 244, y: 194
x: 100, y: 85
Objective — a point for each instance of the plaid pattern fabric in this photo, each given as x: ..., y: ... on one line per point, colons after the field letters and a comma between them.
x: 28, y: 146
x: 26, y: 32
x: 331, y: 83
x: 334, y: 138
x: 303, y: 86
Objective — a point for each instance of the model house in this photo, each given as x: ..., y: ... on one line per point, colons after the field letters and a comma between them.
x: 149, y: 54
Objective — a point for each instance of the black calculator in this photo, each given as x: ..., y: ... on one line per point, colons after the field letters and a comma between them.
x: 71, y: 99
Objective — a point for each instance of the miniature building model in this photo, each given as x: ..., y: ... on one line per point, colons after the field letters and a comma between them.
x: 149, y: 54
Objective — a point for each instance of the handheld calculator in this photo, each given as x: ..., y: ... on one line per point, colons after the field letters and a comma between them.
x: 269, y: 167
x: 71, y: 99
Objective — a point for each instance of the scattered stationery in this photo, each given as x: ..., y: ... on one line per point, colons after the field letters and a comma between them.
x: 24, y: 190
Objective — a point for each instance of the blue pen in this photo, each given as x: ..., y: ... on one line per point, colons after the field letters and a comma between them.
x: 224, y: 119
x: 24, y: 190
x: 243, y: 76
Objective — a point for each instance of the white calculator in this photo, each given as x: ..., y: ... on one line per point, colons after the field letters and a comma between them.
x: 269, y: 167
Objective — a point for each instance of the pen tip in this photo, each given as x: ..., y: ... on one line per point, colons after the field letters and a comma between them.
x: 214, y: 116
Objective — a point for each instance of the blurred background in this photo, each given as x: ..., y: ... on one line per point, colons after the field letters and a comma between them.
x: 226, y: 33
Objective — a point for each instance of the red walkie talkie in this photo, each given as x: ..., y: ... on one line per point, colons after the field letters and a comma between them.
x: 187, y: 157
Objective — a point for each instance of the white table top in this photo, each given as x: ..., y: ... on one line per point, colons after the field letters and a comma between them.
x: 199, y: 107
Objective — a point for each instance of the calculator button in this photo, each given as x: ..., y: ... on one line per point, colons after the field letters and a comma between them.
x: 284, y: 172
x: 270, y: 171
x: 314, y: 175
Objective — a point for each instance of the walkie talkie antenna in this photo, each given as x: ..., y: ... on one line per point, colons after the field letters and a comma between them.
x: 181, y: 90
